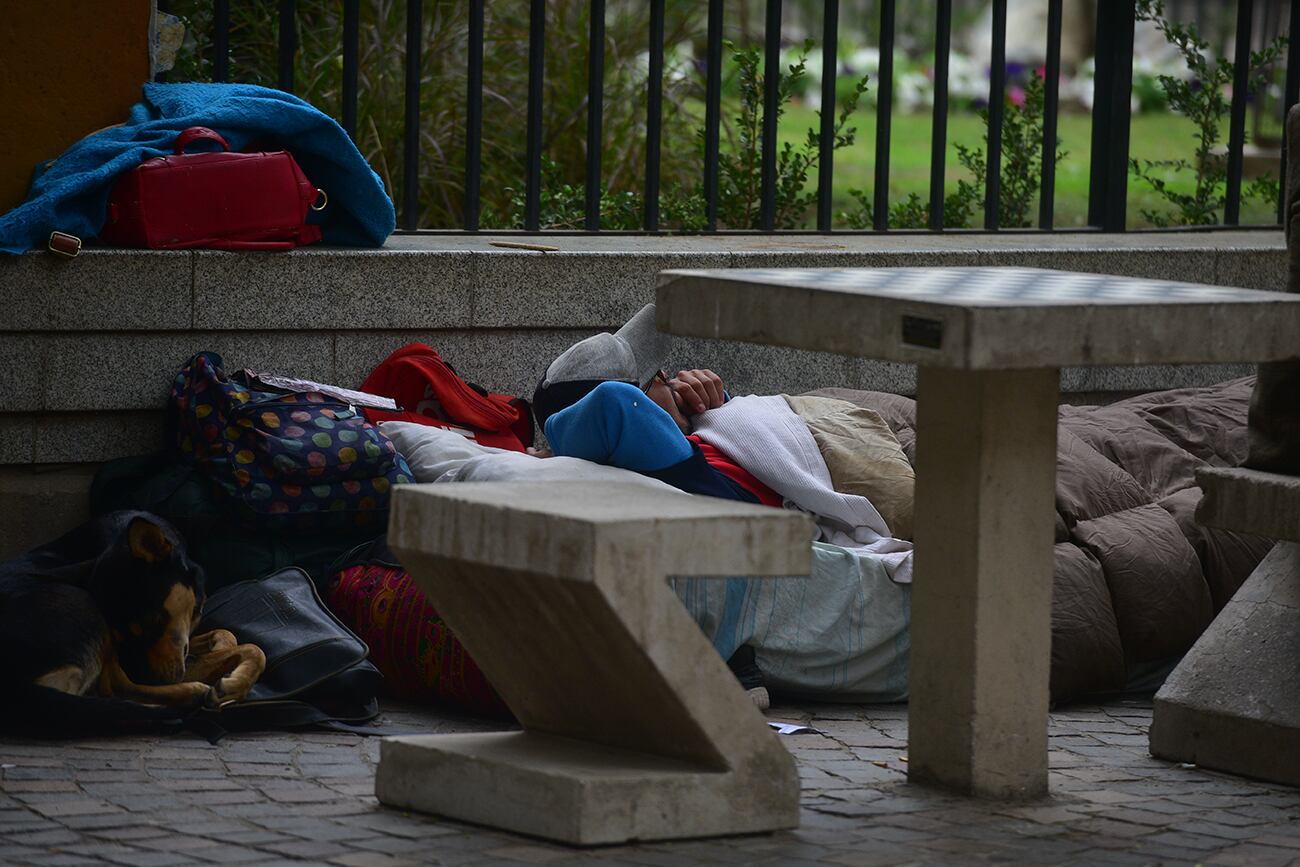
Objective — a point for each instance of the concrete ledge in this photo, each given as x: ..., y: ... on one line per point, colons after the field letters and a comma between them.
x: 1250, y: 501
x: 40, y: 503
x: 67, y: 433
x: 78, y: 437
x: 461, y: 281
x: 562, y: 789
x: 89, y: 346
x: 1232, y: 703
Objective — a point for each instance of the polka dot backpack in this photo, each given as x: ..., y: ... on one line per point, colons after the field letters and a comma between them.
x: 298, y: 460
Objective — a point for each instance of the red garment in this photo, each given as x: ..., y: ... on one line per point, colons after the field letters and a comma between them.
x: 738, y: 474
x: 420, y: 658
x: 430, y: 392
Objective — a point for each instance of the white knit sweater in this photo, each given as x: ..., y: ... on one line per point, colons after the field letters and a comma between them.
x: 766, y: 437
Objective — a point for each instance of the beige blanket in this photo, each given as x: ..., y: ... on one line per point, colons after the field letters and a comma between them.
x: 863, y: 456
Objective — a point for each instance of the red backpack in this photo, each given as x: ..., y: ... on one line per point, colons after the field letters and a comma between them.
x: 428, y: 391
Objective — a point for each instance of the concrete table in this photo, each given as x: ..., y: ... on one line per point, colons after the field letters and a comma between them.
x: 634, y: 729
x: 989, y: 343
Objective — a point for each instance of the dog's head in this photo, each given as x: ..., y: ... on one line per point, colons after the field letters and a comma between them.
x: 151, y: 594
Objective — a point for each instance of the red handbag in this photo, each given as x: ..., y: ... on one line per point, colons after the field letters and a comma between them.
x: 225, y: 201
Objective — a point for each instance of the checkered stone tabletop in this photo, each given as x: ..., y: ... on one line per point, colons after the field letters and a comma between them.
x: 982, y: 318
x: 998, y: 287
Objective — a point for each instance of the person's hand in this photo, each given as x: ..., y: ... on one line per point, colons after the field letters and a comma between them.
x: 540, y: 453
x: 694, y: 391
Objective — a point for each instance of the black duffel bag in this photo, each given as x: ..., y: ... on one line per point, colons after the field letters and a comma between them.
x: 316, y: 668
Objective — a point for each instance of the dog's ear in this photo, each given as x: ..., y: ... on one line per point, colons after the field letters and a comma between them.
x: 147, y: 541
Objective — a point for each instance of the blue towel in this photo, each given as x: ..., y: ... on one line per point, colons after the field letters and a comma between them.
x: 617, y: 424
x: 71, y: 194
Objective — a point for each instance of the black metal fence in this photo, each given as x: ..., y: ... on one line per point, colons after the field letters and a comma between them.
x: 1109, y: 171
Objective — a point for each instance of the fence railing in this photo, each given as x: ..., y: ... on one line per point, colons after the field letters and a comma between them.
x: 1110, y: 157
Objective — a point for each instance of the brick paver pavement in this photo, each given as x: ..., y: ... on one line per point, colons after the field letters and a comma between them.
x: 307, y: 797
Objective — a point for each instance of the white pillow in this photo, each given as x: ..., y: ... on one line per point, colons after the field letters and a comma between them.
x: 432, y: 452
x: 439, y: 455
x: 520, y: 467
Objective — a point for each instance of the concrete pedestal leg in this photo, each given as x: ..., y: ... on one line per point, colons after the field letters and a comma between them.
x: 981, y: 602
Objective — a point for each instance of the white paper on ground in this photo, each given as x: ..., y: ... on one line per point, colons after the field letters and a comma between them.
x: 792, y: 728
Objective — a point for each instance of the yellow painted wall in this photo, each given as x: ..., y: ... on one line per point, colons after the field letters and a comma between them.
x: 67, y: 68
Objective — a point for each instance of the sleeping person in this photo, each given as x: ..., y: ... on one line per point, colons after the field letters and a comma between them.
x: 607, y: 399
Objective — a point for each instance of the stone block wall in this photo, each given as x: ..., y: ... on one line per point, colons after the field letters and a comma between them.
x: 88, y: 347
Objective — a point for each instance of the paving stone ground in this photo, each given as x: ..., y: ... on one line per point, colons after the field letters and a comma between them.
x: 308, y: 798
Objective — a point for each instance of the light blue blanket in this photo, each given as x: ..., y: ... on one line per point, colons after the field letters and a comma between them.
x: 71, y: 194
x: 841, y: 634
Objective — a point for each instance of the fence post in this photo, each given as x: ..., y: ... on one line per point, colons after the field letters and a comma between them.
x: 1108, y: 181
x: 712, y: 114
x: 474, y: 116
x: 1289, y: 98
x: 351, y: 63
x: 411, y: 139
x: 595, y: 111
x: 884, y: 110
x: 654, y: 115
x: 220, y: 39
x: 1051, y: 108
x: 939, y: 126
x: 826, y: 139
x: 997, y: 108
x: 533, y: 135
x: 771, y: 99
x: 1237, y: 123
x: 287, y: 42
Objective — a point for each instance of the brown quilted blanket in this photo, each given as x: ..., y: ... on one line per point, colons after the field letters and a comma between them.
x: 1136, y: 578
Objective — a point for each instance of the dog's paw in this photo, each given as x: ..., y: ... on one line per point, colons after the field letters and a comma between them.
x: 214, y: 700
x: 237, y: 684
x: 231, y: 689
x: 193, y: 694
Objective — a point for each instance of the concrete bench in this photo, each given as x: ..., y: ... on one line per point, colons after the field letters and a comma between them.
x: 633, y: 728
x: 1233, y: 703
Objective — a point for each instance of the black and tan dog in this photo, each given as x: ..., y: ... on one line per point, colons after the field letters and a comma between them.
x: 104, y: 614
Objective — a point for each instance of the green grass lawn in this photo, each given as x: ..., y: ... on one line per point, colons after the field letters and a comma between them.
x: 1152, y: 136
